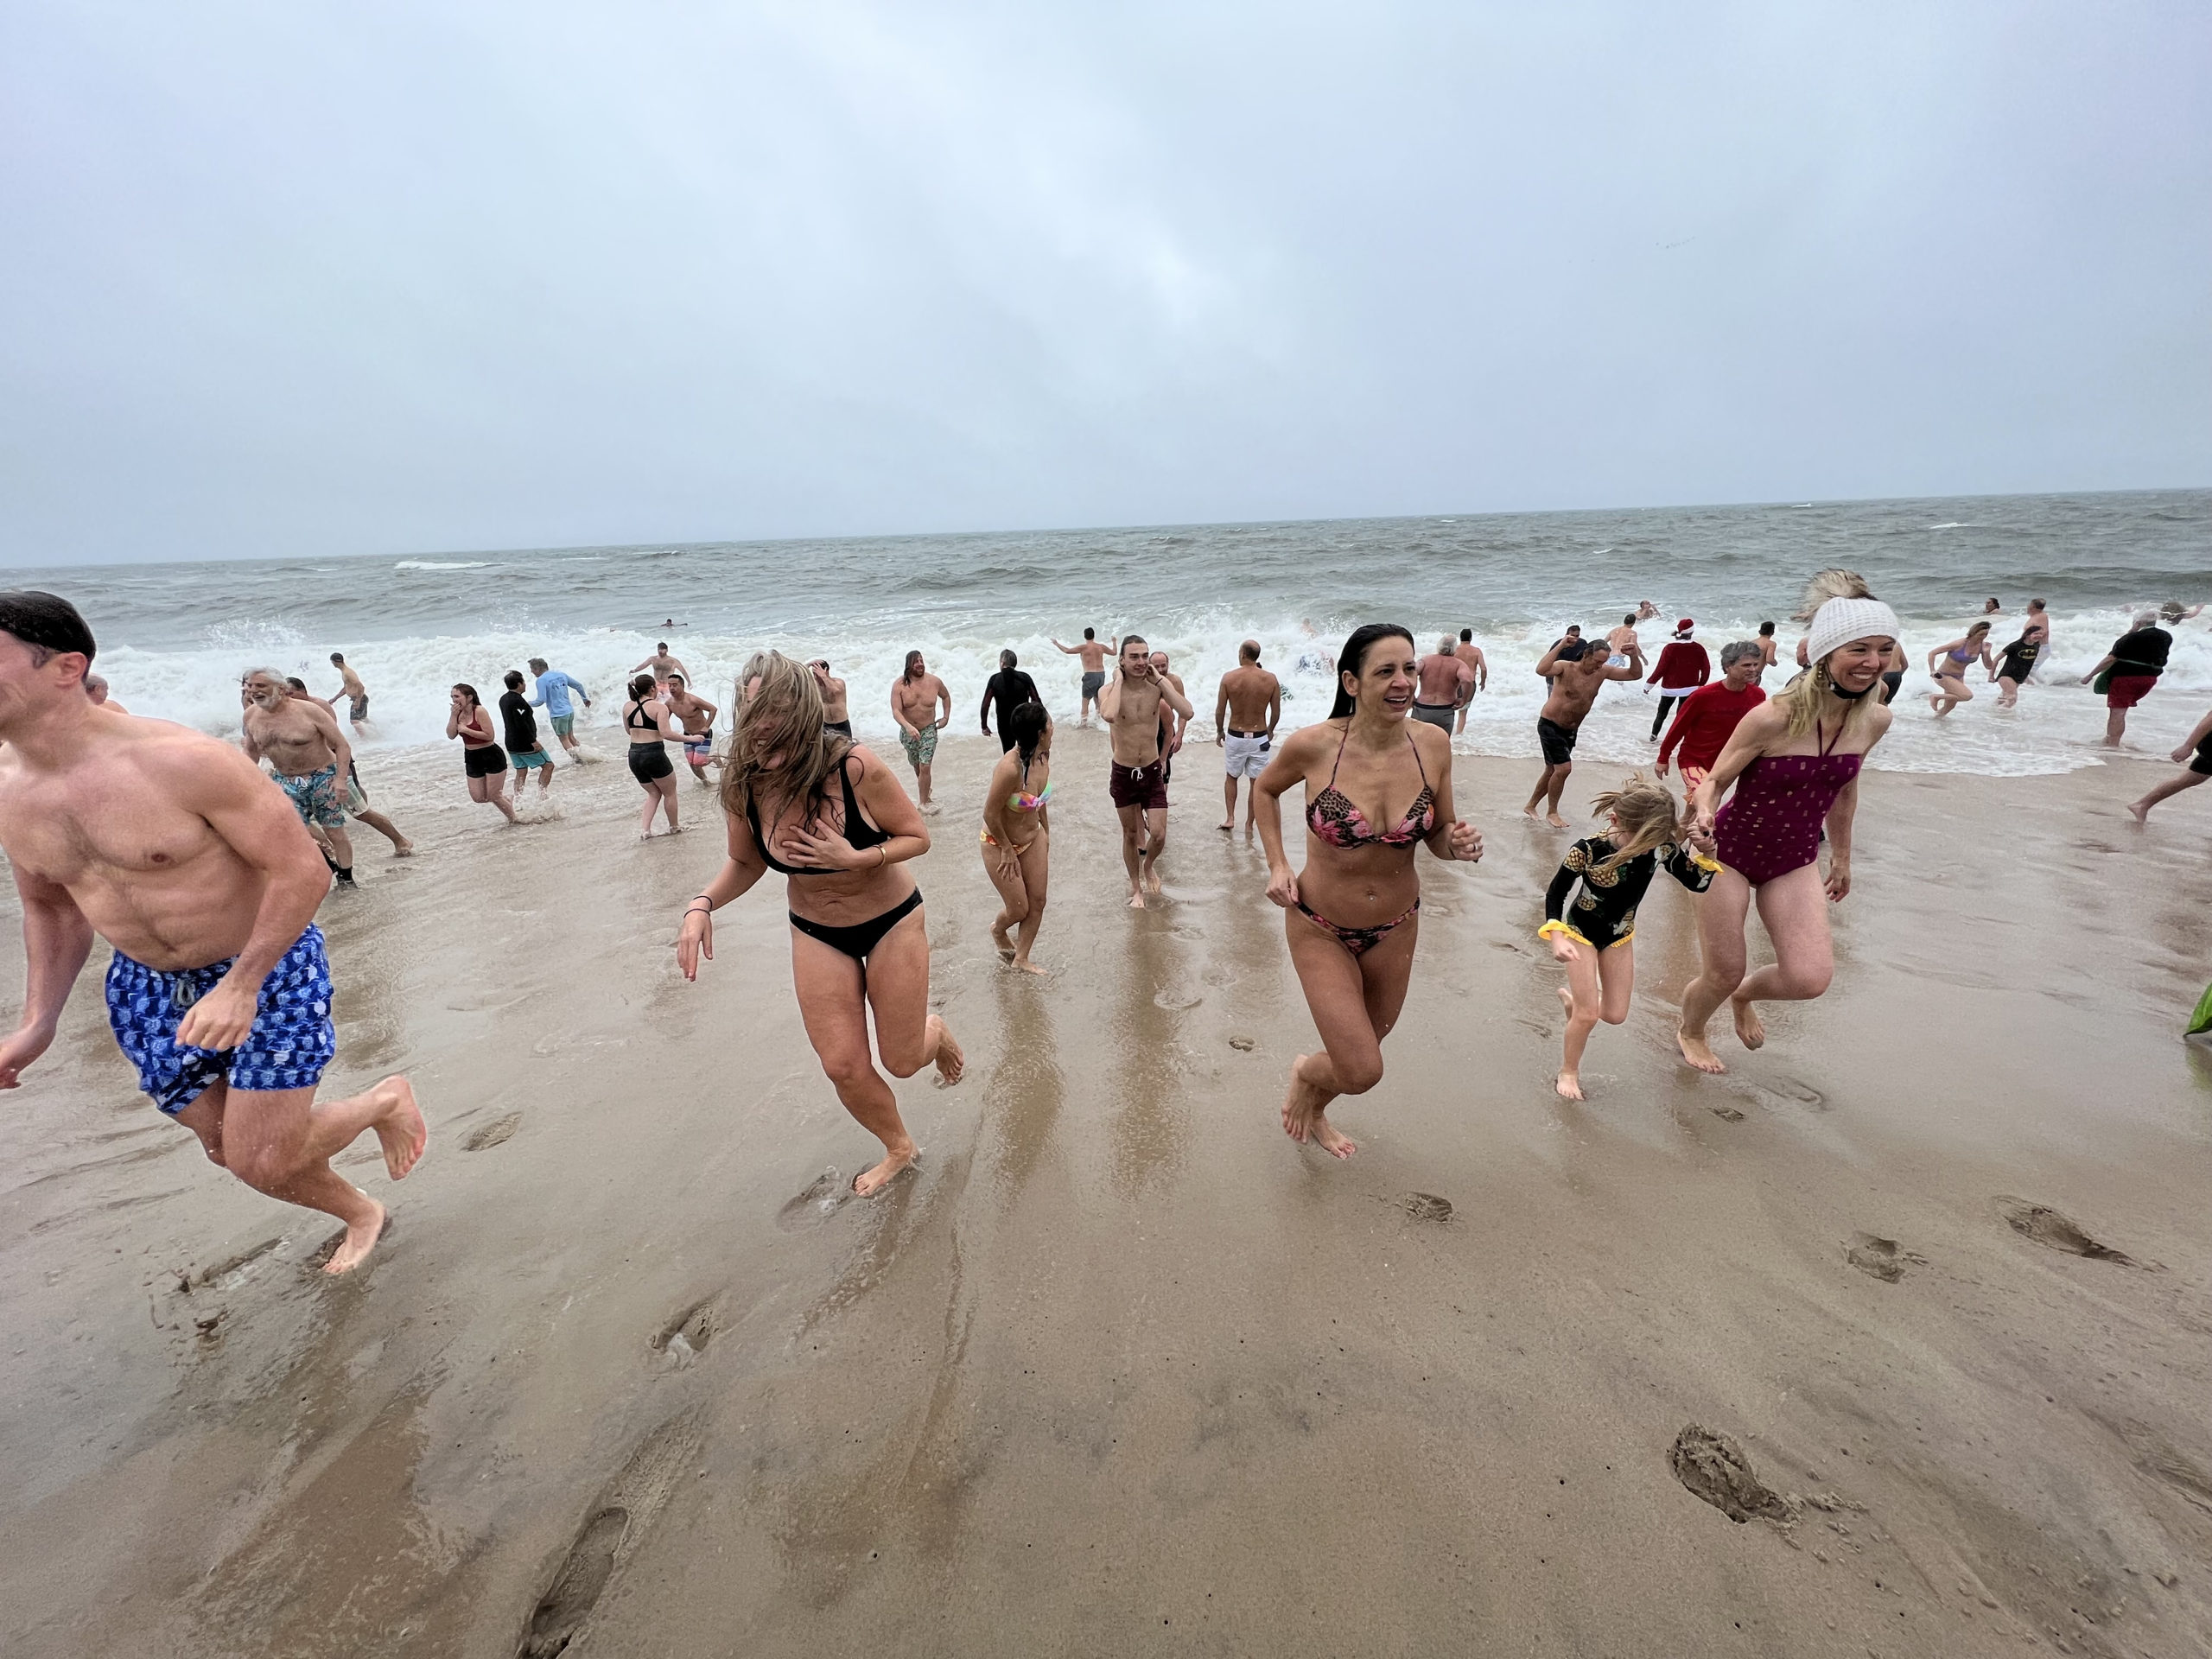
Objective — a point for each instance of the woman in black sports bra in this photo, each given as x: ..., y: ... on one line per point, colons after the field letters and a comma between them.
x: 1352, y: 914
x: 651, y: 728
x: 816, y: 808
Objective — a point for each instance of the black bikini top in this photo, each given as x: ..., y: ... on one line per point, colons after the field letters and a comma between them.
x: 632, y: 722
x: 860, y: 835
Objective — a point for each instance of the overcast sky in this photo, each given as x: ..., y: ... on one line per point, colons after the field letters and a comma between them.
x: 295, y: 277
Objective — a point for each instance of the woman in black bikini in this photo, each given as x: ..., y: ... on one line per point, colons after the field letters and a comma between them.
x: 651, y: 727
x: 817, y: 808
x: 1350, y: 913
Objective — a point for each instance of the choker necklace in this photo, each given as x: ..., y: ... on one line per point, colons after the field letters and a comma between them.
x: 1848, y: 697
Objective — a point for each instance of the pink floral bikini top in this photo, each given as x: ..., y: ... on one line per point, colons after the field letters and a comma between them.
x: 1334, y: 819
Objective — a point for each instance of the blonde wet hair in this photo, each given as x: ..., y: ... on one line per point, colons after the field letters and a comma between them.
x: 1645, y: 810
x: 1834, y: 582
x: 781, y: 715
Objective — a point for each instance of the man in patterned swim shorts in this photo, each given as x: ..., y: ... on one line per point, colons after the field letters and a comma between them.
x: 172, y: 847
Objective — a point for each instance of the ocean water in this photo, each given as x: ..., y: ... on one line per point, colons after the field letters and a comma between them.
x: 175, y: 637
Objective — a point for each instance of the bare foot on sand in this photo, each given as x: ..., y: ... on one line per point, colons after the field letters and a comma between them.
x: 1226, y: 829
x: 2140, y: 813
x: 1555, y: 820
x: 951, y: 1061
x: 1698, y: 1053
x: 869, y: 1182
x: 1530, y: 809
x: 1136, y: 897
x: 1326, y: 1137
x: 1028, y: 967
x: 1151, y: 879
x: 1569, y: 1086
x: 1297, y: 1102
x: 404, y: 849
x: 1005, y: 945
x: 361, y: 1237
x: 401, y: 1129
x: 1750, y: 1030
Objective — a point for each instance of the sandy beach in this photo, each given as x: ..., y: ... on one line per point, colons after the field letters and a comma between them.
x: 1120, y: 1369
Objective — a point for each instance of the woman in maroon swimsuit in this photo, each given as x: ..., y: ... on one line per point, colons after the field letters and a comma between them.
x: 1350, y: 913
x: 1795, y: 762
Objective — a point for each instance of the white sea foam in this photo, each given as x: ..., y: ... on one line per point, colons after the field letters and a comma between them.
x: 2054, y: 729
x: 446, y: 564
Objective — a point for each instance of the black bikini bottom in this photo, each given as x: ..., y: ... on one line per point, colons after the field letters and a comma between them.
x: 857, y: 941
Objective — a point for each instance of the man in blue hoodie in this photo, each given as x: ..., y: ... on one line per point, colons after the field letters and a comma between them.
x: 553, y: 688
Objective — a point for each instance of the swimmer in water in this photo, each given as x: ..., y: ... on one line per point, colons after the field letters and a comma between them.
x: 1591, y: 937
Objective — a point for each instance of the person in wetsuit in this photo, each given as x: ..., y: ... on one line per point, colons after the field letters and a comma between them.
x: 1351, y: 915
x: 831, y: 817
x: 1591, y: 935
x: 1007, y: 691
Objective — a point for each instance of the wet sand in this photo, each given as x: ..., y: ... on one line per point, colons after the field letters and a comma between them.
x: 1120, y: 1369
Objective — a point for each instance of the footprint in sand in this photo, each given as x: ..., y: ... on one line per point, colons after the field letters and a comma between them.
x: 2048, y: 1228
x: 1177, y: 999
x: 1425, y: 1206
x: 823, y: 1198
x: 1726, y: 1114
x: 496, y: 1133
x: 612, y: 1529
x: 684, y: 1337
x: 1714, y: 1468
x: 221, y: 1274
x: 1880, y: 1257
x: 1241, y: 1045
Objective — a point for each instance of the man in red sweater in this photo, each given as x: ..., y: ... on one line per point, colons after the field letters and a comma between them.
x: 1709, y: 714
x: 1682, y: 668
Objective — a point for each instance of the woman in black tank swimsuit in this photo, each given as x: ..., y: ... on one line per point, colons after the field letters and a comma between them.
x: 832, y: 819
x: 651, y: 729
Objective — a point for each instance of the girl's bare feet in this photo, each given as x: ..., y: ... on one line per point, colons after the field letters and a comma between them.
x: 1569, y: 1086
x: 951, y: 1061
x: 1698, y: 1053
x: 1029, y: 967
x: 1326, y: 1137
x: 869, y: 1182
x: 1750, y: 1030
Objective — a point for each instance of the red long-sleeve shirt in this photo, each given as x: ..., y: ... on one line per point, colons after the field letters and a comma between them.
x: 1682, y: 664
x: 1706, y: 721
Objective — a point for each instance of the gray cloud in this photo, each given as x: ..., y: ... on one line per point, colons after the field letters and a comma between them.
x: 320, y: 279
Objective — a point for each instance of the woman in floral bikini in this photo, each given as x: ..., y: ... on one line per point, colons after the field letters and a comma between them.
x: 1351, y: 914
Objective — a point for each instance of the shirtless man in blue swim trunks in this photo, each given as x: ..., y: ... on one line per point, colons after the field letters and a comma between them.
x: 172, y: 847
x: 300, y: 737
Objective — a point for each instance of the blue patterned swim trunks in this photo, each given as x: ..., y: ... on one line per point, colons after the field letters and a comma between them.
x: 291, y: 1041
x: 317, y: 797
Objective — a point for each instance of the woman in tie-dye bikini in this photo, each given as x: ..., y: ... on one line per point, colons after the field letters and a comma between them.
x: 1352, y: 914
x: 1795, y: 762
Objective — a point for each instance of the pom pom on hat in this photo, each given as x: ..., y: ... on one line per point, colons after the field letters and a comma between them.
x: 1840, y: 621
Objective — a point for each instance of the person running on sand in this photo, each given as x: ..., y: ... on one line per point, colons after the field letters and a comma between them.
x: 350, y: 687
x: 553, y: 688
x: 1094, y: 668
x: 916, y: 697
x: 2128, y: 670
x: 651, y: 728
x: 357, y: 794
x: 1471, y: 654
x: 2194, y: 754
x: 836, y: 717
x: 481, y: 757
x: 1352, y: 914
x: 1017, y: 848
x: 830, y: 815
x: 171, y: 847
x: 1798, y: 758
x: 1246, y: 711
x: 1009, y: 690
x: 524, y: 750
x: 1446, y: 684
x: 1137, y: 776
x: 2017, y: 660
x: 1643, y: 833
x: 300, y: 738
x: 1576, y: 680
x: 660, y: 665
x: 1949, y: 665
x: 1710, y: 714
x: 695, y: 716
x: 1682, y: 667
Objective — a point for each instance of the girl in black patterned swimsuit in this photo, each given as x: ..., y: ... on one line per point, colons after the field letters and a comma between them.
x: 1591, y: 935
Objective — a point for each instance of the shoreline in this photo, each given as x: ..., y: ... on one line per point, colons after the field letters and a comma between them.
x: 1120, y: 1367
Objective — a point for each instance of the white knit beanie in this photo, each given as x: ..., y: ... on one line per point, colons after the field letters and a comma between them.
x: 1840, y: 621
